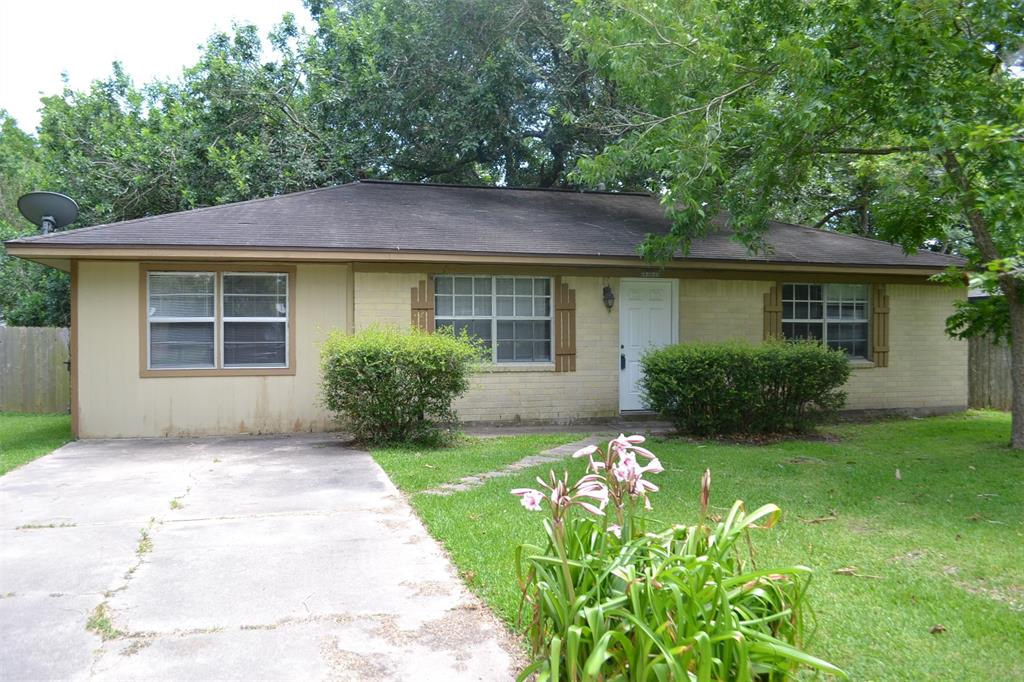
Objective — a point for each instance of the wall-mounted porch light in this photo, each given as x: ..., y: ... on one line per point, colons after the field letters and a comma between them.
x: 609, y: 297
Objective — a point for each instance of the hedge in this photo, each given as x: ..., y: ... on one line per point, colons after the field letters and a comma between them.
x: 730, y: 388
x: 387, y: 385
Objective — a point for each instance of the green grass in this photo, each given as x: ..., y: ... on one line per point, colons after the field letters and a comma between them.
x: 944, y: 542
x: 24, y: 437
x: 414, y: 468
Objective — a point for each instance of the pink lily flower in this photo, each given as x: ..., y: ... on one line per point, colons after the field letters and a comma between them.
x: 584, y: 452
x: 562, y: 496
x: 653, y: 467
x: 529, y: 498
x: 643, y: 451
x: 623, y: 471
x: 642, y: 487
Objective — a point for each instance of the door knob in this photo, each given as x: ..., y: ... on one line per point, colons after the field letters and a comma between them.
x: 622, y: 361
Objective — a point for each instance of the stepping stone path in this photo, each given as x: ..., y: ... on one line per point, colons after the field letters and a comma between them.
x: 555, y: 454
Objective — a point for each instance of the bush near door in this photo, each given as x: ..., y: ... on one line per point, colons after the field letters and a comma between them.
x: 388, y: 386
x: 714, y: 388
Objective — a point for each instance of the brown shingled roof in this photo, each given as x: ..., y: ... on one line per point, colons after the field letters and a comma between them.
x: 389, y: 216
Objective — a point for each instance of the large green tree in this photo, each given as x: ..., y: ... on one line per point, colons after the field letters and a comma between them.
x: 464, y: 91
x: 452, y: 90
x: 30, y: 294
x: 906, y: 111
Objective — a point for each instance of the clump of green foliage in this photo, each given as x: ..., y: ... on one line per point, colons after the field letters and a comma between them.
x: 386, y: 385
x: 613, y: 601
x: 727, y: 388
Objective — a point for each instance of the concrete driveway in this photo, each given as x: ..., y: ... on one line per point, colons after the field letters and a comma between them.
x: 262, y: 558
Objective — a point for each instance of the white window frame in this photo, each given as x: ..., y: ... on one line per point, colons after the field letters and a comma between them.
x: 495, y: 318
x: 150, y: 319
x: 824, y: 320
x: 218, y: 321
x: 286, y: 319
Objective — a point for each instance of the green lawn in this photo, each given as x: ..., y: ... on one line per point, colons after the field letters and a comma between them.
x: 24, y: 437
x: 943, y: 544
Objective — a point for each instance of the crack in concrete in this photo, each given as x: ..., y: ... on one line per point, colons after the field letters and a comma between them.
x: 144, y: 547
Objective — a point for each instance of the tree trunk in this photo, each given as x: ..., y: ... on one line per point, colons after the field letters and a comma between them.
x: 1012, y: 290
x: 1008, y: 283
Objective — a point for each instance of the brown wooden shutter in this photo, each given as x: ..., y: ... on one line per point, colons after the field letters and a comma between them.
x: 423, y: 305
x: 565, y: 327
x: 879, y: 325
x: 773, y: 313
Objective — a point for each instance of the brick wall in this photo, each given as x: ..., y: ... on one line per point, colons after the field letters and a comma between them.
x: 384, y: 298
x: 544, y: 395
x: 516, y: 393
x: 721, y: 310
x: 926, y: 368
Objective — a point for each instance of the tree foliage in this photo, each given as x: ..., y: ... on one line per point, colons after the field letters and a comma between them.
x: 904, y: 116
x: 464, y: 91
x: 30, y: 294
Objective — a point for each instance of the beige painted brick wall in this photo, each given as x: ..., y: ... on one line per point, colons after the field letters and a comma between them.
x: 927, y: 368
x: 511, y: 394
x: 545, y: 395
x: 384, y: 298
x: 721, y: 310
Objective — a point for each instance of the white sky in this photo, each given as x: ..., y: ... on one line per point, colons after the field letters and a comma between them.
x: 40, y: 39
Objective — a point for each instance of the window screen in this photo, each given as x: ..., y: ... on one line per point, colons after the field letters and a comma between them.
x: 181, y: 312
x: 255, y: 319
x: 185, y: 325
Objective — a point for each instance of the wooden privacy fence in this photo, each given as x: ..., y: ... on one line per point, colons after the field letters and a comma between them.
x: 34, y: 374
x: 988, y: 374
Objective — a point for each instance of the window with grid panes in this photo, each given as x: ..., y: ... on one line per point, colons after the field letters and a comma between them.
x: 836, y: 314
x: 512, y: 316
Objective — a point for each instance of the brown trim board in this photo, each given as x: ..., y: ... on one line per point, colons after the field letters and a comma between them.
x: 73, y: 350
x: 31, y: 251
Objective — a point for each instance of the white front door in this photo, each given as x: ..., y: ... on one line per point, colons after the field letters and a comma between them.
x: 647, y: 319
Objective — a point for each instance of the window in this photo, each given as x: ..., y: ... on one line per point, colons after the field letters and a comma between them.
x: 181, y: 320
x: 836, y: 314
x: 255, y: 319
x: 511, y: 315
x: 186, y: 326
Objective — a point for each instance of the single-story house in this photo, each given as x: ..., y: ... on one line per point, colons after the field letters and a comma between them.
x: 208, y: 321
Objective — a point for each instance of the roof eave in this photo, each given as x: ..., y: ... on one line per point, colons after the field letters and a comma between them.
x: 42, y: 252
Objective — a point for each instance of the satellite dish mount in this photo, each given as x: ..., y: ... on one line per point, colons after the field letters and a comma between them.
x: 49, y: 210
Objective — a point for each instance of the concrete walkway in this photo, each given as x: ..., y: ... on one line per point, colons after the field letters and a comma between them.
x: 263, y: 558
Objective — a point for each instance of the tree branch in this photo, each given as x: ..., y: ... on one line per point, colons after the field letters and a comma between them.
x: 872, y: 151
x: 835, y: 212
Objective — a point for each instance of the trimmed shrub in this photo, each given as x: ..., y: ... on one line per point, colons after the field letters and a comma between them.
x: 388, y: 385
x: 725, y: 388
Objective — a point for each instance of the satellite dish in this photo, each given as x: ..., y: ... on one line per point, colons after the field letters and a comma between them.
x: 48, y: 210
